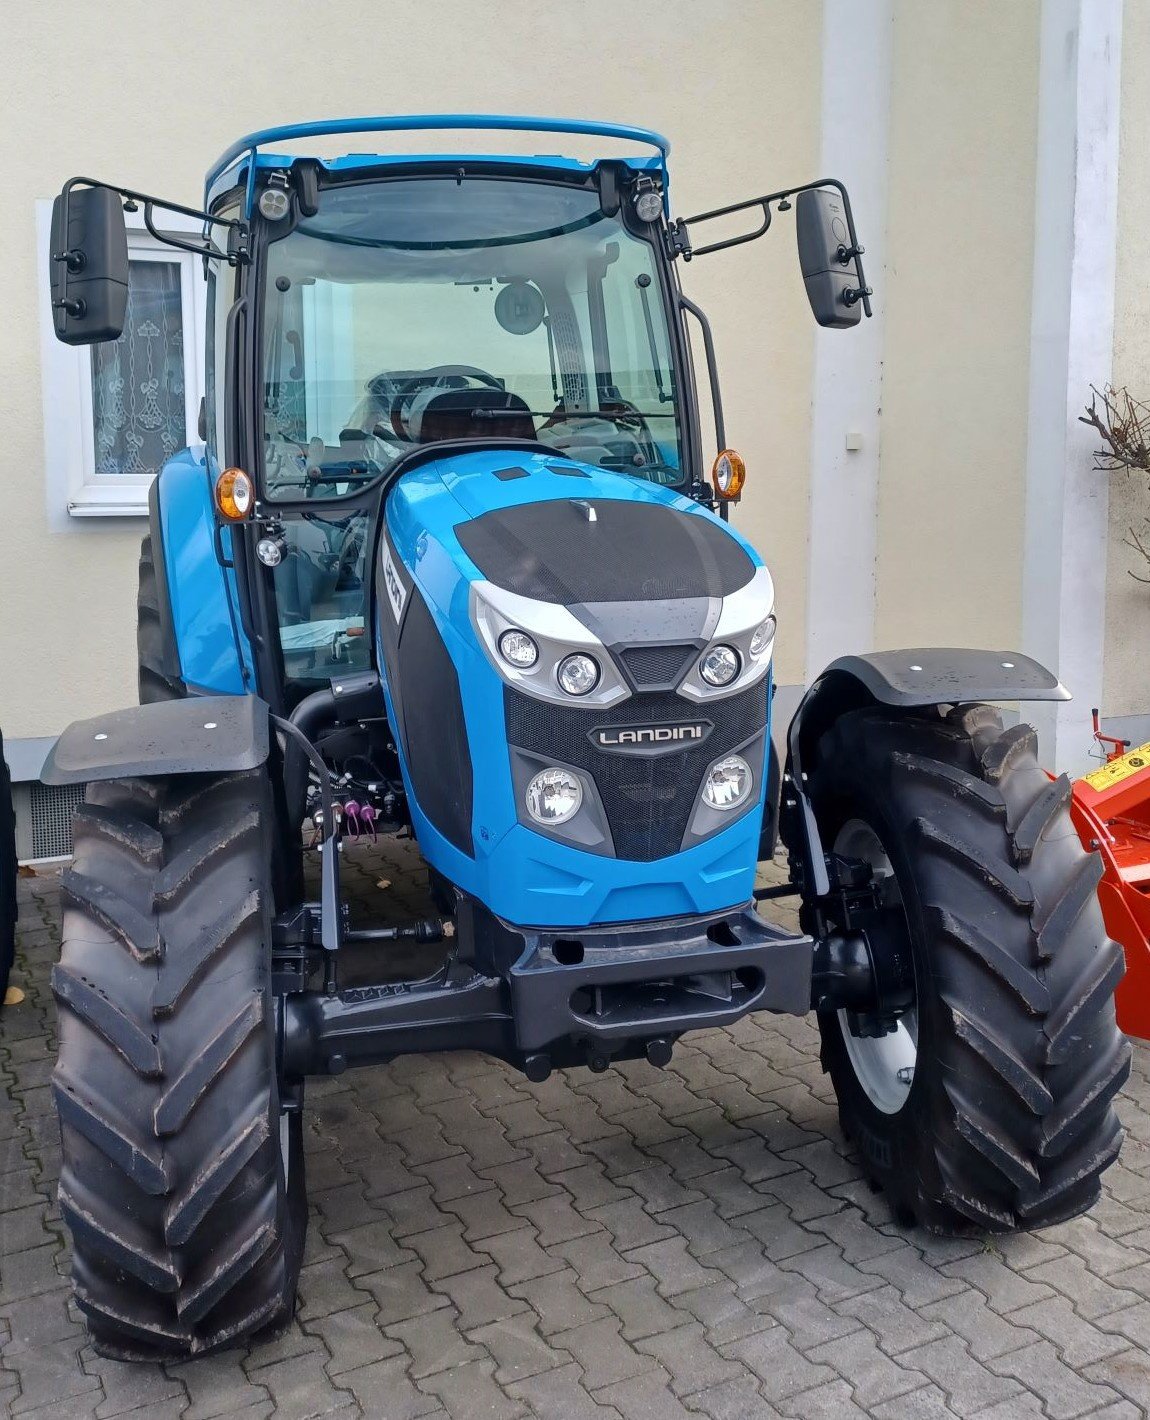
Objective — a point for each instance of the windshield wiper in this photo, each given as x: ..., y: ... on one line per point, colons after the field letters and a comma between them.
x: 643, y: 281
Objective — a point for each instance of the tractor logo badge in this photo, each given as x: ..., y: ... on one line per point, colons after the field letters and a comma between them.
x: 395, y: 592
x: 650, y: 739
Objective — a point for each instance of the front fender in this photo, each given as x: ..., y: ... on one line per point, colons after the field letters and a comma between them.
x: 205, y: 734
x: 906, y: 679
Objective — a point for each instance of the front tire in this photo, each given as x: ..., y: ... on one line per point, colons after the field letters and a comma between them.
x: 152, y: 650
x: 181, y: 1183
x: 993, y: 1109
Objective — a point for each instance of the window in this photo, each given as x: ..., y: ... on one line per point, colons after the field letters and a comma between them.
x: 114, y: 413
x: 407, y: 310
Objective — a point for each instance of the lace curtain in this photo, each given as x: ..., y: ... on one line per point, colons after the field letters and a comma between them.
x: 138, y: 381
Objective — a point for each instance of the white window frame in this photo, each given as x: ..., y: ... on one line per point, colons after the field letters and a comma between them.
x: 73, y: 487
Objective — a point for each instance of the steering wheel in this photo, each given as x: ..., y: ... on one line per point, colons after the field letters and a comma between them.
x: 447, y: 376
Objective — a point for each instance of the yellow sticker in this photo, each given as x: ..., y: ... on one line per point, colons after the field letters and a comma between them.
x: 1119, y: 769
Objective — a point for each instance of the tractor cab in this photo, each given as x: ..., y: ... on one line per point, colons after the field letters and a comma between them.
x: 365, y: 309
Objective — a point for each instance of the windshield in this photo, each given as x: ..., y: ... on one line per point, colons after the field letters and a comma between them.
x: 413, y: 310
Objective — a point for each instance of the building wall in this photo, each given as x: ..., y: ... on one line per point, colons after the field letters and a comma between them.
x: 736, y: 84
x: 1126, y: 688
x: 154, y: 92
x: 957, y: 307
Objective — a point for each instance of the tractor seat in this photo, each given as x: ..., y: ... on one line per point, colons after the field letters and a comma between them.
x: 468, y: 414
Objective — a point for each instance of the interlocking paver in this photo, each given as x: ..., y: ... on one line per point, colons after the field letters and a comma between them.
x: 689, y: 1358
x: 969, y: 1386
x: 1064, y: 1394
x: 873, y: 1377
x: 562, y: 1393
x: 693, y: 1242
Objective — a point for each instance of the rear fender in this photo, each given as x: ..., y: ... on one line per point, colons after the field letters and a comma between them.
x: 904, y: 679
x: 204, y: 734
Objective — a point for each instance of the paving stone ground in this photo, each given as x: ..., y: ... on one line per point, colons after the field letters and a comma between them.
x: 639, y: 1245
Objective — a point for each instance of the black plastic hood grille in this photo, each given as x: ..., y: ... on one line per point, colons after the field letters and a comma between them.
x: 648, y: 799
x: 632, y: 551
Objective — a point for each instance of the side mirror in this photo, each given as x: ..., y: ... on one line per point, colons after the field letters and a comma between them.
x: 828, y: 258
x: 89, y: 265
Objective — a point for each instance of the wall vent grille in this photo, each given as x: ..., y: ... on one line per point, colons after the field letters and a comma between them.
x: 50, y: 818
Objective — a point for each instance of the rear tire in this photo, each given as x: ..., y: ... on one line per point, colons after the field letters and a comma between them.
x: 1006, y: 1121
x: 152, y: 649
x: 181, y: 1183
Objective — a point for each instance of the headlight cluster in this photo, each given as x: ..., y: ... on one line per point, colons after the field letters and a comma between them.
x: 577, y: 674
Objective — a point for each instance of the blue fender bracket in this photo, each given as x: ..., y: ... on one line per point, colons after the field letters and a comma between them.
x: 201, y: 735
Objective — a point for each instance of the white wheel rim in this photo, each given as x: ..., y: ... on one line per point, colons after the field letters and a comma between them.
x: 883, y: 1065
x: 285, y: 1143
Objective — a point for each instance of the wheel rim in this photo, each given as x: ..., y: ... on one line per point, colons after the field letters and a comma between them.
x: 285, y: 1144
x: 883, y: 1065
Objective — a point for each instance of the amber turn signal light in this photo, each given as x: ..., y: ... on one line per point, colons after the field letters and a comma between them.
x: 728, y: 474
x: 235, y: 496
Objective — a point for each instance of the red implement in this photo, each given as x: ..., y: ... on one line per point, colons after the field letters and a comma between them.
x: 1110, y: 808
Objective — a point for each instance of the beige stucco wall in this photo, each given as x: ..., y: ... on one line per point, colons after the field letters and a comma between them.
x: 1126, y: 689
x: 150, y: 93
x: 957, y: 293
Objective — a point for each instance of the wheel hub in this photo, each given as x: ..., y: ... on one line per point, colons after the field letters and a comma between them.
x: 882, y: 1042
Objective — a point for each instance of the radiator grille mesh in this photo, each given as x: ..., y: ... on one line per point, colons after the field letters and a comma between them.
x: 656, y: 666
x: 648, y: 800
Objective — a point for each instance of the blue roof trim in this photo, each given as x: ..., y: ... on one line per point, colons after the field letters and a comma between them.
x: 248, y: 146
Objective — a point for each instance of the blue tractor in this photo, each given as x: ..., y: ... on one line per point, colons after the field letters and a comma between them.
x: 448, y: 563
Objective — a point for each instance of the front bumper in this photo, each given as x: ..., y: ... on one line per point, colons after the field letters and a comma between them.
x: 614, y: 985
x: 561, y: 998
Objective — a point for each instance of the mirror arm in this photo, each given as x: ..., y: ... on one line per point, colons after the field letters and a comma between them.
x: 679, y: 242
x: 237, y: 254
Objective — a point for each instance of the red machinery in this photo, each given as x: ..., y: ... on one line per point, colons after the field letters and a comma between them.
x: 1110, y: 808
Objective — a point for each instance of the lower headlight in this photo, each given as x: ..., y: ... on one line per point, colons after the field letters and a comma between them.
x: 728, y: 783
x: 553, y: 796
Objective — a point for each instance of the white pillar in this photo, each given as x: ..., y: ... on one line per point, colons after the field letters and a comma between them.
x: 1071, y: 341
x: 856, y: 79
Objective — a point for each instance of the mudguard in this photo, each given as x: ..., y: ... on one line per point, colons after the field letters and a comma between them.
x: 916, y: 677
x: 204, y: 734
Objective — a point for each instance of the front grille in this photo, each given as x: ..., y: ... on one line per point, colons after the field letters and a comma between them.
x: 648, y: 800
x: 657, y: 667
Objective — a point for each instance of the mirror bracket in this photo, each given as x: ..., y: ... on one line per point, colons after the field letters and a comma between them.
x: 236, y: 254
x: 679, y: 240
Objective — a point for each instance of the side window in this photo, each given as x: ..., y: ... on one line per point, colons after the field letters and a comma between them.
x: 114, y: 413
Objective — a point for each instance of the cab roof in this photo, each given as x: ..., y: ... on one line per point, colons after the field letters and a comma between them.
x: 243, y: 160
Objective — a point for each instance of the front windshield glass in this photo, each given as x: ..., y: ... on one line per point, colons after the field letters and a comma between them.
x: 413, y: 310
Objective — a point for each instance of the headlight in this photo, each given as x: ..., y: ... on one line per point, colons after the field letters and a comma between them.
x: 518, y: 649
x: 720, y: 665
x: 553, y: 796
x: 763, y: 638
x: 728, y: 783
x: 578, y: 674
